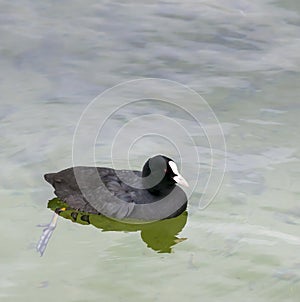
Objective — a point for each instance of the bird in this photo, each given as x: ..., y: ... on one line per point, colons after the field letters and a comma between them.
x: 126, y: 195
x: 129, y: 196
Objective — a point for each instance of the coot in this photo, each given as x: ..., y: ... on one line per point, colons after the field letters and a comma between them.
x: 147, y: 195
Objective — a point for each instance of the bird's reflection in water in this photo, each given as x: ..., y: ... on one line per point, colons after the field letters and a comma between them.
x: 159, y: 235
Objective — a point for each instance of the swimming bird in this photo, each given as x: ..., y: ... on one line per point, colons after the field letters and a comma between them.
x: 127, y: 195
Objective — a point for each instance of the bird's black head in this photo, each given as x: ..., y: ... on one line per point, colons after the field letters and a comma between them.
x: 160, y: 175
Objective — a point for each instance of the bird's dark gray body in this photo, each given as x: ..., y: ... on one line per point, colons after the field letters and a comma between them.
x: 100, y: 190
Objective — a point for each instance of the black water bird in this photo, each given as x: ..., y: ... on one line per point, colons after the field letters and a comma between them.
x: 147, y: 195
x: 128, y: 196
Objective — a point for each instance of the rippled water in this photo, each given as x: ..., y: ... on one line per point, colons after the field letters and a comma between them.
x: 242, y: 57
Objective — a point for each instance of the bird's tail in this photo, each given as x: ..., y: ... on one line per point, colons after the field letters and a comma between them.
x: 49, y: 177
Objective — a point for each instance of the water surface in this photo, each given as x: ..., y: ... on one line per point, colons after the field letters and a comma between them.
x: 242, y: 57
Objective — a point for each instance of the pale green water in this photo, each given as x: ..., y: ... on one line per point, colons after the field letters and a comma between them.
x: 243, y: 57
